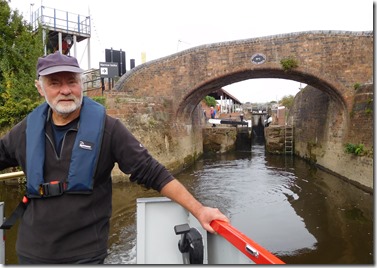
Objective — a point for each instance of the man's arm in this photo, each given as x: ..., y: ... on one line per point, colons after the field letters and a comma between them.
x: 178, y: 193
x: 10, y: 143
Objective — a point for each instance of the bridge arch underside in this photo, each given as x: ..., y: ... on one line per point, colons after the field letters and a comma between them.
x: 189, y: 105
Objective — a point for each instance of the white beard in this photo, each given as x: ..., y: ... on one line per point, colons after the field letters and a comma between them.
x: 65, y: 109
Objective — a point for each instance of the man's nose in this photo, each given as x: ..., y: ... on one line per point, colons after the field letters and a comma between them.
x: 65, y: 89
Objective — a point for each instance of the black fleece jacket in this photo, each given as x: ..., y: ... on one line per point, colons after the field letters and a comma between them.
x: 72, y: 227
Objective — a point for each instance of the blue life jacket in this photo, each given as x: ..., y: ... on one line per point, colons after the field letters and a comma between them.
x: 85, y: 152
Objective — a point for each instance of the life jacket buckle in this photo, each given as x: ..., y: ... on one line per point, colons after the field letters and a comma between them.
x: 53, y: 188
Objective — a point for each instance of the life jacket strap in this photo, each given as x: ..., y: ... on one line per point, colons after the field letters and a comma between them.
x: 53, y: 188
x: 16, y: 214
x: 49, y: 189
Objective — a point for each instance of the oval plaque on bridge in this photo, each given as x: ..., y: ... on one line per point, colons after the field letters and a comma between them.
x: 258, y: 58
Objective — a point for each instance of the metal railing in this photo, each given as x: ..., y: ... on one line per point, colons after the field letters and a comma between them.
x: 12, y: 175
x: 59, y: 19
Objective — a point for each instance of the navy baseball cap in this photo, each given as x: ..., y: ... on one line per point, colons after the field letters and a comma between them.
x: 57, y: 62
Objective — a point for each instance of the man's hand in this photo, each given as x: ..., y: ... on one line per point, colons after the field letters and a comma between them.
x: 205, y: 215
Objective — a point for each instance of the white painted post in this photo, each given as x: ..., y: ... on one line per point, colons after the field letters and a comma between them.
x: 221, y: 104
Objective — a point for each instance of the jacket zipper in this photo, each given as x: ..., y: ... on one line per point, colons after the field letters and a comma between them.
x: 53, y: 144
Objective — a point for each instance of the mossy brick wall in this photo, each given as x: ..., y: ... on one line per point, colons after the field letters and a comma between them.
x: 361, y: 117
x: 149, y: 119
x: 322, y: 128
x: 219, y: 139
x: 310, y: 112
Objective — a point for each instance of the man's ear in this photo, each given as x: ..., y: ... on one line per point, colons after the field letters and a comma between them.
x: 38, y: 86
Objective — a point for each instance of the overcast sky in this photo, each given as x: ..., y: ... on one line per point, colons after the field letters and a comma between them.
x: 163, y: 27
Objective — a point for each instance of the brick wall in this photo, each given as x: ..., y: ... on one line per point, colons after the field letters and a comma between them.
x: 219, y: 139
x: 361, y: 117
x: 322, y: 127
x: 174, y: 144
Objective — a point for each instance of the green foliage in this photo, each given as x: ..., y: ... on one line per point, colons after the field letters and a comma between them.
x: 356, y: 86
x: 19, y: 51
x: 287, y: 101
x: 100, y: 100
x: 368, y: 111
x: 14, y: 111
x: 288, y: 64
x: 356, y: 149
x: 210, y: 101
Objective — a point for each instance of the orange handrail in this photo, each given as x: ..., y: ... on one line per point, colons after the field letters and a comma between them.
x: 252, y: 250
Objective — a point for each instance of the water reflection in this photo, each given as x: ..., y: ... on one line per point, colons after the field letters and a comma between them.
x: 300, y: 213
x: 257, y: 197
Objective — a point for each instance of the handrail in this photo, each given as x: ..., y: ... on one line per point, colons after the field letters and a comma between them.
x: 252, y: 250
x: 12, y: 175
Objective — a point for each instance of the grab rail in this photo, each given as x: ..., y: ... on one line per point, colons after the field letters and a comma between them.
x: 252, y: 250
x: 12, y: 175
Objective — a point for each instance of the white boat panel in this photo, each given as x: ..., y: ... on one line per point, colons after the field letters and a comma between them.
x: 221, y: 251
x: 157, y: 242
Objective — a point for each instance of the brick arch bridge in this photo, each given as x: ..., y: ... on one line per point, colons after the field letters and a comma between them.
x: 166, y: 92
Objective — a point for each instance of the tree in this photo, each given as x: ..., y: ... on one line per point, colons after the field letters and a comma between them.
x: 287, y: 101
x: 19, y: 51
x: 210, y: 101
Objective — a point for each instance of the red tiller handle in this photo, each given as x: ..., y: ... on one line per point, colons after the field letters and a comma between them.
x: 252, y: 250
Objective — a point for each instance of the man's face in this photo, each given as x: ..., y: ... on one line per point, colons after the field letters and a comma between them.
x: 62, y: 91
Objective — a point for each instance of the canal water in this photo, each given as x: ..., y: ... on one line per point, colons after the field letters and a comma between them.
x: 294, y: 210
